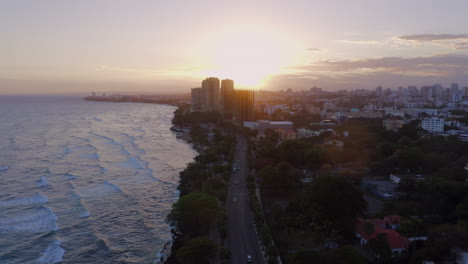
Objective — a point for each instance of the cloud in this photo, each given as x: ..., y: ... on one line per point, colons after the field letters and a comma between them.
x: 369, y: 73
x: 360, y: 42
x: 388, y: 63
x: 434, y: 37
x: 452, y: 41
x: 461, y: 45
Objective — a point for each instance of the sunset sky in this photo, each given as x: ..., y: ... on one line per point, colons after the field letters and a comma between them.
x: 169, y: 46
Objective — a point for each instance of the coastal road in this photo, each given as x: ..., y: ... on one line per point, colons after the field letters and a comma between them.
x: 241, y: 237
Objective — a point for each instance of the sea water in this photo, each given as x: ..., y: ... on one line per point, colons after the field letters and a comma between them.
x: 86, y: 182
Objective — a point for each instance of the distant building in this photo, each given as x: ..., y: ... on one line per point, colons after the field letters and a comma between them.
x: 433, y: 124
x: 286, y: 135
x: 243, y: 106
x: 196, y: 99
x: 365, y: 114
x: 312, y: 109
x: 426, y: 92
x: 393, y: 124
x: 463, y: 137
x: 227, y: 98
x: 415, y: 112
x: 334, y: 142
x: 265, y: 124
x: 210, y: 94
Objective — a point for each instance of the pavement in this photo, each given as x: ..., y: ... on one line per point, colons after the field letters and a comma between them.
x: 241, y: 237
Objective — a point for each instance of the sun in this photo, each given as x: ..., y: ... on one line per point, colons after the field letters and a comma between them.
x: 250, y: 56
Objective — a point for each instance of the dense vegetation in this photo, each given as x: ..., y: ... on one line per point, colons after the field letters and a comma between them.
x: 198, y: 216
x: 315, y: 222
x: 322, y: 214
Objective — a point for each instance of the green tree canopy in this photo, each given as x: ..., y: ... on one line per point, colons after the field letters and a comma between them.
x: 282, y: 176
x: 337, y: 201
x: 194, y: 213
x: 198, y: 250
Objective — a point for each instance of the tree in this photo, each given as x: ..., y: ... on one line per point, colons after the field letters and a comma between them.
x: 342, y: 255
x: 337, y: 201
x: 381, y: 247
x: 347, y: 255
x: 325, y: 170
x: 306, y: 257
x: 409, y: 159
x: 198, y: 250
x: 283, y: 176
x: 224, y: 255
x: 315, y: 157
x: 194, y: 213
x: 192, y: 177
x: 385, y: 149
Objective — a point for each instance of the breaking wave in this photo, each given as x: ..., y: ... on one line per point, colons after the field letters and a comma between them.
x: 52, y: 254
x: 36, y: 199
x: 37, y: 220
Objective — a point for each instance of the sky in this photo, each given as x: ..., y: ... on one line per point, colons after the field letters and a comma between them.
x: 56, y: 46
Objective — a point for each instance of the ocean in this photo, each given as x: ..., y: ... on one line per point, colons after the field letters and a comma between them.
x: 86, y: 182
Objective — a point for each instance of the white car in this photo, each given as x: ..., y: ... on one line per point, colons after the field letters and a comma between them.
x: 249, y: 259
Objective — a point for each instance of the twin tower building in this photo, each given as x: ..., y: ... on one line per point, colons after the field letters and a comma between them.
x: 235, y: 105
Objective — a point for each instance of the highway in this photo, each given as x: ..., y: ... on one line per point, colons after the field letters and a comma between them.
x: 241, y: 237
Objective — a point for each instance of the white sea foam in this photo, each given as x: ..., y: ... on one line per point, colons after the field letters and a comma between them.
x: 132, y: 163
x: 36, y: 199
x: 94, y: 156
x: 98, y: 190
x: 53, y: 253
x: 67, y: 150
x: 70, y: 176
x: 43, y: 181
x: 37, y: 220
x: 85, y: 214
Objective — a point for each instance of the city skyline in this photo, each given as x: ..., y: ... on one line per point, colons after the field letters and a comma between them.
x: 120, y: 46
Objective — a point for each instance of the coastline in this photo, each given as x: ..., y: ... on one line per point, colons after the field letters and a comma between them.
x: 195, y: 134
x: 170, y: 246
x: 134, y: 99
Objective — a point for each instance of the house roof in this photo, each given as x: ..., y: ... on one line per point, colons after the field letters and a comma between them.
x: 395, y: 239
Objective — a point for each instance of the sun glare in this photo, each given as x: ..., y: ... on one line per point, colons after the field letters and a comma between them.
x: 250, y: 56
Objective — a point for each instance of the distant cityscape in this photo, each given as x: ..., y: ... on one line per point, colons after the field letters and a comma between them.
x: 438, y: 109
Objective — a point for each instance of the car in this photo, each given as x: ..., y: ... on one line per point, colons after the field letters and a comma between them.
x: 234, y: 199
x: 236, y: 182
x: 249, y: 259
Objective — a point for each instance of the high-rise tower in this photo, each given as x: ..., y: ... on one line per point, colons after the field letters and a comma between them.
x: 244, y: 107
x: 196, y: 99
x: 227, y: 98
x: 210, y: 93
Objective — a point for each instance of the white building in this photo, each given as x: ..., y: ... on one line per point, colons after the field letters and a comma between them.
x: 305, y: 133
x: 433, y: 124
